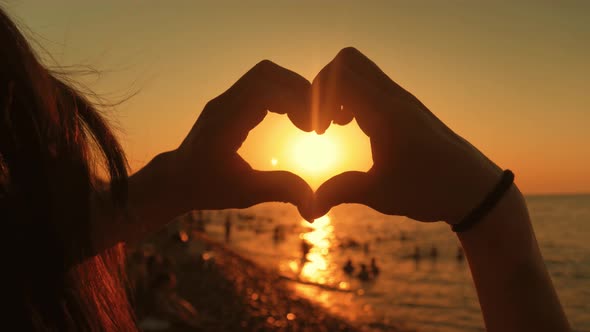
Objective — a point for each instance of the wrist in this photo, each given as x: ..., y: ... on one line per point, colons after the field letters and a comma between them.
x: 506, y: 228
x: 174, y: 186
x: 471, y: 185
x: 156, y: 188
x: 505, y: 238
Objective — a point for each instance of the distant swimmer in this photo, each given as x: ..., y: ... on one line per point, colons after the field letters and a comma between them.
x: 374, y: 268
x: 348, y: 268
x: 402, y: 236
x: 364, y: 274
x: 416, y: 256
x: 227, y: 227
x: 276, y: 235
x: 305, y: 248
x: 433, y: 252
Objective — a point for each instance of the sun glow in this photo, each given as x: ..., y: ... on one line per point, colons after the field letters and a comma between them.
x: 315, y: 154
x: 276, y: 144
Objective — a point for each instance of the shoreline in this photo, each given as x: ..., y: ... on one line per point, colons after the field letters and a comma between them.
x: 215, y: 288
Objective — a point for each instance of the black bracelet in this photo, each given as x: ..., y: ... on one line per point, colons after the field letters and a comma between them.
x: 487, y: 204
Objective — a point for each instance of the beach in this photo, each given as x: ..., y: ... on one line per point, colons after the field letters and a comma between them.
x: 227, y: 292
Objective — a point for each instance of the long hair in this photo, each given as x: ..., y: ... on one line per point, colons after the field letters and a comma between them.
x: 50, y: 135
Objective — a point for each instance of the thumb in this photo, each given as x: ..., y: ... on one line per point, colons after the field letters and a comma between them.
x: 280, y: 186
x: 348, y: 187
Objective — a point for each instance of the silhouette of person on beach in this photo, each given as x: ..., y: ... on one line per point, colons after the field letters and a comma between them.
x: 228, y: 226
x: 364, y: 273
x: 433, y: 253
x: 69, y: 279
x: 277, y: 234
x: 402, y: 236
x: 416, y: 255
x: 163, y: 300
x: 366, y: 248
x: 374, y: 268
x: 305, y: 248
x: 348, y: 267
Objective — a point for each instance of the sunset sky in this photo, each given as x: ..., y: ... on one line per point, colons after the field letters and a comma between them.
x: 513, y: 79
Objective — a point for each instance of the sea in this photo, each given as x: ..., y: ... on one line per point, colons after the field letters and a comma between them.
x: 423, y: 283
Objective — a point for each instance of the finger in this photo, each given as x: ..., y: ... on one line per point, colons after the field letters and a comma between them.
x: 326, y: 106
x: 350, y: 86
x: 362, y: 65
x: 228, y: 118
x: 280, y: 186
x: 277, y: 83
x: 348, y: 187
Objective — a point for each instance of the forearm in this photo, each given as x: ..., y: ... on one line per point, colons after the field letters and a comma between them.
x: 154, y: 197
x: 153, y: 200
x: 513, y: 285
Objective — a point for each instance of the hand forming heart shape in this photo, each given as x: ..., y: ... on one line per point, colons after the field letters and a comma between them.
x: 418, y: 161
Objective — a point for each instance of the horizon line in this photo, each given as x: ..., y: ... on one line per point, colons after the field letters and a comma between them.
x: 565, y: 193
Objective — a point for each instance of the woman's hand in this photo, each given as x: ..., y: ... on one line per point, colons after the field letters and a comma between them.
x: 207, y: 171
x: 421, y: 168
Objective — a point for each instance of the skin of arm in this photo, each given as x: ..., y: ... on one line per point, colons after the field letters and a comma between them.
x: 514, y: 288
x: 151, y: 203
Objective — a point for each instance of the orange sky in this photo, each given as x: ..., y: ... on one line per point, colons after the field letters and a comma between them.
x: 512, y: 79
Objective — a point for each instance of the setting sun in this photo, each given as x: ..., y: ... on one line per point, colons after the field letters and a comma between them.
x: 314, y: 154
x: 276, y: 144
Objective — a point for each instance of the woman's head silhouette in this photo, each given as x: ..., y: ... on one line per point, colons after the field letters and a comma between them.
x: 50, y: 136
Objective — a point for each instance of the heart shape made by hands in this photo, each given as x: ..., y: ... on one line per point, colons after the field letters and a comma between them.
x: 417, y: 160
x: 277, y: 144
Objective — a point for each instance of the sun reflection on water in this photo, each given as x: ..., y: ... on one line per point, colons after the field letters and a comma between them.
x: 320, y: 276
x: 320, y: 237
